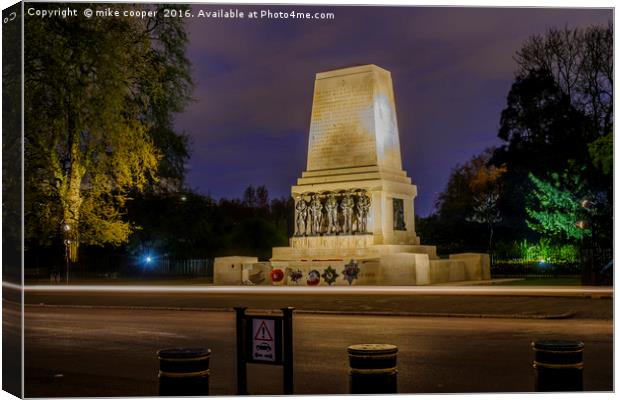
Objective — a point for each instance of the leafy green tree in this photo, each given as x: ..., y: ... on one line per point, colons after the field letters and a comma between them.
x: 190, y: 225
x: 283, y: 215
x: 468, y: 201
x: 486, y: 188
x: 99, y: 98
x: 602, y: 153
x: 542, y: 131
x: 177, y: 224
x: 256, y: 198
x: 256, y: 236
x: 541, y: 128
x: 11, y: 145
x: 466, y: 181
x: 556, y: 209
x: 558, y: 108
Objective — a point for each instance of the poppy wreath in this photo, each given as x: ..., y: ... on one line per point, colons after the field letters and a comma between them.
x: 276, y: 275
x: 351, y: 272
x: 295, y: 275
x: 329, y: 275
x: 314, y: 278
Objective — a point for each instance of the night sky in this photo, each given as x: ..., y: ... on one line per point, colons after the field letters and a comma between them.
x: 451, y: 67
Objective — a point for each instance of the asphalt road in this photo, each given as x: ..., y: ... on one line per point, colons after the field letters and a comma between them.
x: 11, y: 342
x: 112, y: 351
x: 558, y: 302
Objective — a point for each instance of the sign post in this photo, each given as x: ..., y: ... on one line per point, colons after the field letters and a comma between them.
x: 264, y: 339
x: 287, y: 370
x: 242, y: 380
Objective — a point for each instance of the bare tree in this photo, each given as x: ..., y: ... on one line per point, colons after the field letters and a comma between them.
x: 485, y: 211
x: 581, y: 62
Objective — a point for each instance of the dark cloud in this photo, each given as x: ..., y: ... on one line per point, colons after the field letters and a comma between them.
x: 451, y: 67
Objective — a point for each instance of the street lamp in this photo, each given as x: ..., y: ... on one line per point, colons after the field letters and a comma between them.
x: 589, y: 207
x: 582, y: 225
x: 592, y: 208
x: 67, y: 229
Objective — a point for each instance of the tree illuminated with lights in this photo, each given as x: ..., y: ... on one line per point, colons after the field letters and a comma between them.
x: 99, y: 98
x: 556, y: 209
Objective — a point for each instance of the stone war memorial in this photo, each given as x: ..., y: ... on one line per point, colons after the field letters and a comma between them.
x: 354, y: 204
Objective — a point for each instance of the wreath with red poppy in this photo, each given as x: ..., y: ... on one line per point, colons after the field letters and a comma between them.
x: 276, y: 275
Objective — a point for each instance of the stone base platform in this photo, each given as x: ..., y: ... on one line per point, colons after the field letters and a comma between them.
x: 396, y: 269
x: 345, y: 246
x: 230, y: 270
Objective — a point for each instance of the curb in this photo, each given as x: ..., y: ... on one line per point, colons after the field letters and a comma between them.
x: 565, y: 315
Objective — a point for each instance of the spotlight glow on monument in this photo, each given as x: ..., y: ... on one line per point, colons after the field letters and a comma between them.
x: 354, y: 204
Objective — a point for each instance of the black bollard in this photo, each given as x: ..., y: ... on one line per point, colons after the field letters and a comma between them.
x: 184, y: 372
x: 373, y: 368
x: 558, y: 365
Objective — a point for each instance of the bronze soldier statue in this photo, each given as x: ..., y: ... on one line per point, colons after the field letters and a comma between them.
x: 301, y: 210
x: 316, y: 210
x: 363, y: 206
x: 331, y: 205
x: 346, y: 205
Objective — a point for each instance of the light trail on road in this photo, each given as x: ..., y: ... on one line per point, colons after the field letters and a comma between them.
x: 563, y: 291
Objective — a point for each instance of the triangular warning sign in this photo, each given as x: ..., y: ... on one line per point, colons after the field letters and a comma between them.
x: 262, y: 333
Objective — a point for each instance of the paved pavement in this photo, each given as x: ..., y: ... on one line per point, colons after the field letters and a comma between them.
x: 111, y: 352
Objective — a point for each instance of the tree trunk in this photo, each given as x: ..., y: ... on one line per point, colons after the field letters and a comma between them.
x: 72, y: 199
x: 491, y: 243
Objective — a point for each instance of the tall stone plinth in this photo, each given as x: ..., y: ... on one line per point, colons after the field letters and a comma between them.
x: 354, y: 148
